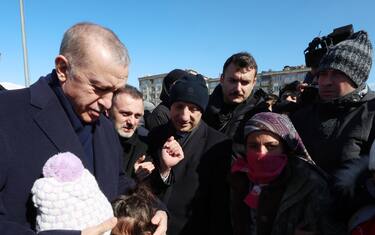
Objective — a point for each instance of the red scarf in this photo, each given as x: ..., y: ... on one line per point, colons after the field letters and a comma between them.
x: 261, y: 170
x: 264, y: 168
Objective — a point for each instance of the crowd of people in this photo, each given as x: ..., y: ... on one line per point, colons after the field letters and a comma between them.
x: 239, y: 161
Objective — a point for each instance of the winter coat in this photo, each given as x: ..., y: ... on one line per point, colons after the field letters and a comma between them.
x: 229, y: 119
x: 338, y: 136
x: 304, y: 201
x: 133, y: 148
x: 335, y: 133
x: 197, y: 197
x: 34, y: 127
x: 158, y: 117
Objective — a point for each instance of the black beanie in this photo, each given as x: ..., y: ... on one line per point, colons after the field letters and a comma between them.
x: 190, y: 89
x: 352, y: 56
x: 169, y: 80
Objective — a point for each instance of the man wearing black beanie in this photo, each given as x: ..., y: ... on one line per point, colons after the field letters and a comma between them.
x: 338, y: 130
x: 160, y: 115
x: 193, y: 183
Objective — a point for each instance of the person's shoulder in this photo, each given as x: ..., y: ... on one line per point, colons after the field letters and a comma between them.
x: 13, y: 95
x: 314, y: 175
x: 106, y: 126
x: 369, y: 101
x: 14, y: 102
x: 159, y: 133
x: 214, y: 135
x: 302, y: 113
x: 160, y: 108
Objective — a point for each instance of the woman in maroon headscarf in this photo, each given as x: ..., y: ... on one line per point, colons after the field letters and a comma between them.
x: 287, y: 194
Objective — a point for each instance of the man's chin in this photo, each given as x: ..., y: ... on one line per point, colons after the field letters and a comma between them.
x: 184, y: 128
x: 236, y: 100
x: 125, y: 134
x: 86, y: 118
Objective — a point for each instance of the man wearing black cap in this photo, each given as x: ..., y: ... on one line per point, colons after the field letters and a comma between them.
x: 338, y: 130
x: 193, y: 183
x: 160, y: 115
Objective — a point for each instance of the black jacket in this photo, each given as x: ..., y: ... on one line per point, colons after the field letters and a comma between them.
x: 230, y: 119
x: 298, y: 197
x: 158, y: 117
x: 133, y: 148
x: 337, y: 137
x: 198, y: 196
x: 335, y: 133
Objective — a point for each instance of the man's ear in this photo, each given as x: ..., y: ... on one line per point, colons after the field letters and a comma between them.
x: 221, y: 78
x: 61, y: 66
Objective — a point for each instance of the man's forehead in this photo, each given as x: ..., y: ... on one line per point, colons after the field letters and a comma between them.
x: 126, y: 99
x: 188, y: 104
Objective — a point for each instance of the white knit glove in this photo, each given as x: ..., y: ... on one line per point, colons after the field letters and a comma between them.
x: 68, y: 197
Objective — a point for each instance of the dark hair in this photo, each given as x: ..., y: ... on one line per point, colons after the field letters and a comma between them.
x: 241, y: 60
x: 291, y: 87
x: 134, y: 212
x: 130, y: 90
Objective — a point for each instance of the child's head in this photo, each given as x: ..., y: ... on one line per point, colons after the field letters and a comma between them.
x: 134, y: 213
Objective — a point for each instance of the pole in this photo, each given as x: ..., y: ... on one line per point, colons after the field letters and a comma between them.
x: 24, y: 46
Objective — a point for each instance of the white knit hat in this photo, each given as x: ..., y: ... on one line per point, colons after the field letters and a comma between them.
x: 68, y: 197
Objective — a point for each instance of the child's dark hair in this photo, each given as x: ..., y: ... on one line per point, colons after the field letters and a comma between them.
x: 134, y: 212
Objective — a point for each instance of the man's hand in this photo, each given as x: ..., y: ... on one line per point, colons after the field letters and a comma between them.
x: 99, y: 229
x: 302, y: 86
x: 143, y: 169
x: 171, y: 154
x: 160, y: 219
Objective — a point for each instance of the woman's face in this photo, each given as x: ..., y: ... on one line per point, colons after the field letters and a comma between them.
x: 264, y: 142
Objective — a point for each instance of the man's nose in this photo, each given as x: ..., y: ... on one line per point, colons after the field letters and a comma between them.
x: 185, y: 114
x: 131, y: 120
x: 238, y: 86
x: 106, y: 100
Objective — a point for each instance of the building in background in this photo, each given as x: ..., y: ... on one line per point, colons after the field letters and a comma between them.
x: 269, y: 81
x: 273, y: 81
x: 151, y: 85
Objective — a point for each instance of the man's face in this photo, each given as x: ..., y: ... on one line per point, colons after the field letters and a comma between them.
x: 237, y: 83
x: 334, y: 84
x: 126, y: 114
x: 185, y: 116
x: 90, y: 89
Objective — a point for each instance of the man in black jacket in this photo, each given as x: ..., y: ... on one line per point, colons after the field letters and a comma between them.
x: 126, y: 112
x: 338, y: 130
x: 231, y: 103
x: 192, y: 180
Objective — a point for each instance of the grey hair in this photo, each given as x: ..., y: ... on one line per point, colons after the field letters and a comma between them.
x: 78, y: 38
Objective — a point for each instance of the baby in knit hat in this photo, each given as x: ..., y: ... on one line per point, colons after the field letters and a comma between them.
x: 68, y: 197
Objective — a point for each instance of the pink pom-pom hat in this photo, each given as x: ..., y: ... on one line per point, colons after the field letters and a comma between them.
x: 64, y: 167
